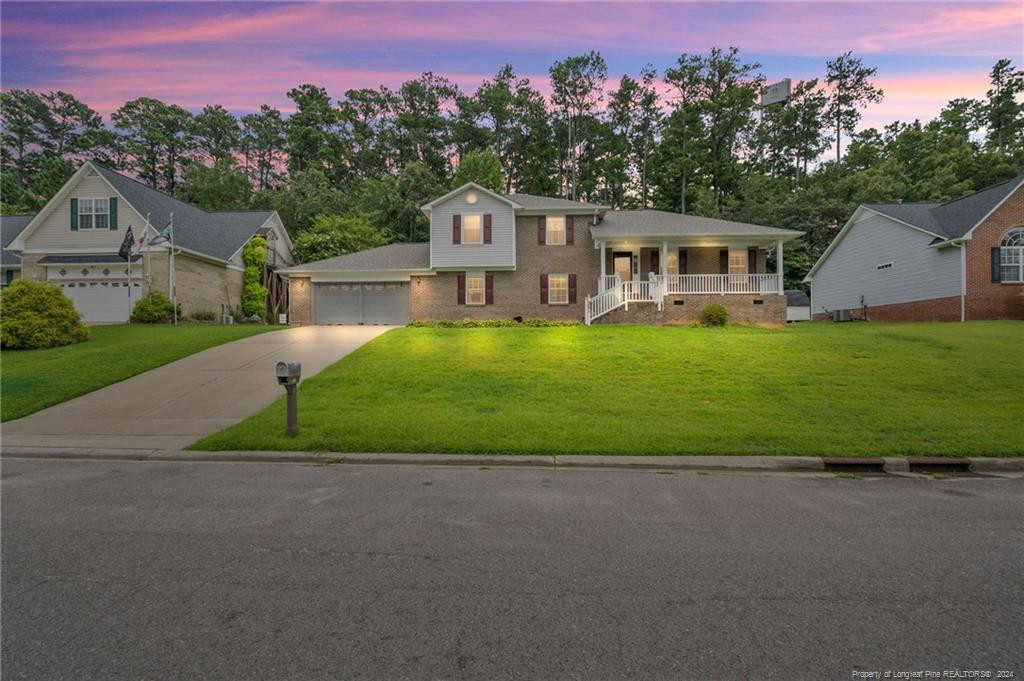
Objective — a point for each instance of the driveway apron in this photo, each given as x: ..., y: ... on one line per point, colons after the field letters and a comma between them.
x: 174, y: 405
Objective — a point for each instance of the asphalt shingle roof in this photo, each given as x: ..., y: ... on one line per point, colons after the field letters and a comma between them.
x: 10, y: 227
x: 534, y: 202
x: 383, y: 258
x: 652, y: 223
x: 952, y: 219
x: 218, y: 235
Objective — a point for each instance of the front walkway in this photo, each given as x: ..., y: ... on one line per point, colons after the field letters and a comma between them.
x: 174, y: 405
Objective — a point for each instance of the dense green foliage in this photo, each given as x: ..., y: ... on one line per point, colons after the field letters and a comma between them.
x: 334, y: 235
x: 41, y: 378
x: 690, y: 136
x: 714, y: 314
x: 34, y: 315
x: 811, y: 389
x: 254, y: 292
x: 482, y: 167
x: 153, y: 308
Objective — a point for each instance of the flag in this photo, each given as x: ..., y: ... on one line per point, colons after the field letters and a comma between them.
x: 126, y: 246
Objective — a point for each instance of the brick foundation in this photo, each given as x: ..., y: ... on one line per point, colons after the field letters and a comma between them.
x: 741, y: 309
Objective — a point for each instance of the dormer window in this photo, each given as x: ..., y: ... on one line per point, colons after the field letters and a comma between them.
x: 94, y: 213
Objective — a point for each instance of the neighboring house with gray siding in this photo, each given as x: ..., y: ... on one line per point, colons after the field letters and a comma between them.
x: 10, y: 262
x: 518, y: 255
x: 73, y: 242
x: 960, y: 259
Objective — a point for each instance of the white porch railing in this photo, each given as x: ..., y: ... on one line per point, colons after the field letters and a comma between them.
x: 721, y: 283
x: 602, y: 303
x: 607, y: 281
x: 614, y: 293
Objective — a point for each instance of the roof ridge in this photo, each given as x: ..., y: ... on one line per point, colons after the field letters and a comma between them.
x: 146, y: 186
x: 1017, y: 178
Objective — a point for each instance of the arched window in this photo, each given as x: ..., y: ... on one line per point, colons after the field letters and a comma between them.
x: 1011, y: 256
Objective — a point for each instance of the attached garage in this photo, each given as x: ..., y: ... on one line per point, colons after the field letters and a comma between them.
x: 368, y: 287
x: 381, y: 302
x: 101, y: 301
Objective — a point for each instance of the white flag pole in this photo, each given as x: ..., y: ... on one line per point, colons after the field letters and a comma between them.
x: 174, y: 288
x: 130, y: 281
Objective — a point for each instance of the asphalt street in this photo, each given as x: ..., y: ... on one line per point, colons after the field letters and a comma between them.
x: 264, y: 571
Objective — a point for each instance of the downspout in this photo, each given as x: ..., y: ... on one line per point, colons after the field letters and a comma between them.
x: 963, y: 280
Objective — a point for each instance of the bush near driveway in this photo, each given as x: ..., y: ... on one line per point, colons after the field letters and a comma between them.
x: 153, y: 308
x: 35, y: 315
x: 36, y: 379
x: 811, y: 389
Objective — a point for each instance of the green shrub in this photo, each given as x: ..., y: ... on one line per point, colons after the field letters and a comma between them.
x: 35, y: 315
x: 532, y: 322
x: 254, y: 293
x: 714, y: 315
x: 203, y: 315
x: 153, y: 308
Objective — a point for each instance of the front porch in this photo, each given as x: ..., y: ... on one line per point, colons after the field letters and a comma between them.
x: 635, y: 272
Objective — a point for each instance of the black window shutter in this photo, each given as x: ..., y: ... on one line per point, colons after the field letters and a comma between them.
x: 456, y: 229
x: 752, y: 260
x: 489, y: 289
x: 541, y: 230
x: 682, y: 261
x: 113, y: 213
x: 462, y: 289
x: 569, y: 229
x: 723, y: 261
x: 572, y: 288
x: 487, y: 228
x: 74, y: 215
x: 996, y: 265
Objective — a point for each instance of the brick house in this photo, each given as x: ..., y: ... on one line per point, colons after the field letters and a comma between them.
x: 518, y: 255
x: 958, y: 260
x: 74, y: 240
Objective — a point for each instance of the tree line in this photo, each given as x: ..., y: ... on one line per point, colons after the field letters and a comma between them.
x: 692, y: 137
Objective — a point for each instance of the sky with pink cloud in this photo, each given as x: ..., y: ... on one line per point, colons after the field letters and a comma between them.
x: 243, y: 54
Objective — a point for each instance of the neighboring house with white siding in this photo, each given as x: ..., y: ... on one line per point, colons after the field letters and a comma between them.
x: 518, y: 255
x: 73, y: 242
x: 956, y: 260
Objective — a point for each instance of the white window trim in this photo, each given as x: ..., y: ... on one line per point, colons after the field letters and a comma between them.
x: 547, y: 230
x: 92, y: 211
x: 550, y: 288
x: 1006, y: 249
x: 464, y: 239
x: 483, y: 287
x: 884, y: 266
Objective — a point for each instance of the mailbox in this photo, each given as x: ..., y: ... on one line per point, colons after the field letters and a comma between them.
x: 288, y: 373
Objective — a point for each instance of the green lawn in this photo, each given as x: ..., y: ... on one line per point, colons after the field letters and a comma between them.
x: 813, y: 389
x: 31, y: 380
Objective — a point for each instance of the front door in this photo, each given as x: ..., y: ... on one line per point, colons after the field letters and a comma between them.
x: 622, y: 265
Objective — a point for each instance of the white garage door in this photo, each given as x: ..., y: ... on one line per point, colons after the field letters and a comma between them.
x: 101, y: 301
x: 385, y: 302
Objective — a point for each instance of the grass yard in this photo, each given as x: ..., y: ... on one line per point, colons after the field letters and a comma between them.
x: 812, y: 389
x: 31, y: 380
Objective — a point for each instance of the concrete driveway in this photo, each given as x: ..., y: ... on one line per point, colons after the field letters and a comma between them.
x: 178, y: 403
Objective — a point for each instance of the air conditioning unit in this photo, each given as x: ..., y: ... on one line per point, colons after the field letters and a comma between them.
x: 842, y: 315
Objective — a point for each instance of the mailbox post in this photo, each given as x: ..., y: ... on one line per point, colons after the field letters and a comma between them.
x: 288, y: 374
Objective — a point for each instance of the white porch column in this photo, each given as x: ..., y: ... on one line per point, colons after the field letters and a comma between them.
x: 603, y: 265
x: 778, y: 266
x: 664, y: 257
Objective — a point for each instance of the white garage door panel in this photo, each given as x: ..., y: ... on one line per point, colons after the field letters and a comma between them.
x: 362, y: 303
x: 101, y: 301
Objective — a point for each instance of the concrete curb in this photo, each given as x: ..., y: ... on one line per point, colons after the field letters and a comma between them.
x: 695, y: 463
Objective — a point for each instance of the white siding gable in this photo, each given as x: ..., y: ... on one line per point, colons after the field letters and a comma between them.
x: 501, y: 252
x: 54, y: 234
x: 917, y: 272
